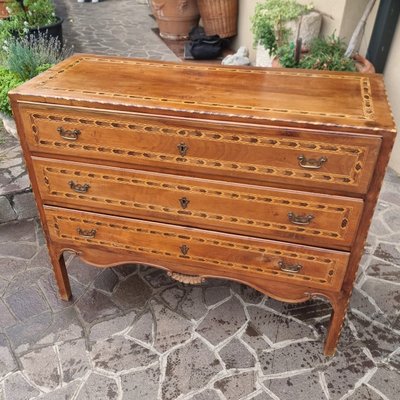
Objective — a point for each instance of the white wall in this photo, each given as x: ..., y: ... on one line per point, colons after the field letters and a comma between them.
x: 339, y: 17
x: 392, y: 80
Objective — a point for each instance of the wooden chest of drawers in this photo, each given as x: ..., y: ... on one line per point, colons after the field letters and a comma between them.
x: 267, y: 177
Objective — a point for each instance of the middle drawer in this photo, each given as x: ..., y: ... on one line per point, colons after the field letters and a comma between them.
x: 316, y: 219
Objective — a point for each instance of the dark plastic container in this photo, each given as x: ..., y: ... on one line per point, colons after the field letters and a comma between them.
x: 53, y: 30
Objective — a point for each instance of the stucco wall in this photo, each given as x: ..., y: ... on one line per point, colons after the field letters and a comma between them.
x: 339, y: 16
x: 392, y: 80
x: 332, y: 11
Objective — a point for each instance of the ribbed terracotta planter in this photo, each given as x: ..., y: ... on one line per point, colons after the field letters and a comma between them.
x: 219, y: 17
x: 175, y: 18
x: 3, y: 9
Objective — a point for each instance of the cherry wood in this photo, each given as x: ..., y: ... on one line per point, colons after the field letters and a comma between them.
x: 179, y: 166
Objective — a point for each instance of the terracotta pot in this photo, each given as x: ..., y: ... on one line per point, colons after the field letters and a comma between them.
x: 175, y: 18
x: 363, y: 65
x: 219, y: 17
x: 3, y: 9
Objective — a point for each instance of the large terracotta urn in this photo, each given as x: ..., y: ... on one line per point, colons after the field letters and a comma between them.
x: 175, y: 18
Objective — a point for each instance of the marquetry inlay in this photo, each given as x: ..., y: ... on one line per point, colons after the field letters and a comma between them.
x: 342, y: 213
x: 328, y: 264
x: 358, y: 153
x: 361, y: 81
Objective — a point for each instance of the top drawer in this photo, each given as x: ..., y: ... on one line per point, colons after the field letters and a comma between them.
x: 248, y: 153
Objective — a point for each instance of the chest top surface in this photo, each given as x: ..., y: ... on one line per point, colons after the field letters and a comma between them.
x: 344, y: 101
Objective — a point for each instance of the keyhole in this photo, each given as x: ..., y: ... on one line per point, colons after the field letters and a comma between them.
x: 184, y: 202
x: 184, y: 249
x: 183, y: 148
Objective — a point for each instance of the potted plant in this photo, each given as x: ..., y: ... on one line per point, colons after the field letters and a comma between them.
x: 31, y: 18
x: 323, y: 54
x: 175, y: 18
x: 276, y: 23
x: 219, y: 17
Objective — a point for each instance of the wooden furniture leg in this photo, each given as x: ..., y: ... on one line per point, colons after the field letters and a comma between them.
x: 60, y: 271
x: 335, y: 327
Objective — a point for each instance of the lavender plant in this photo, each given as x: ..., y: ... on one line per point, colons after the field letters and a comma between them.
x: 26, y: 56
x: 23, y: 58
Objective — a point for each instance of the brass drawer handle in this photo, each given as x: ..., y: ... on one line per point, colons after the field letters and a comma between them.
x: 184, y: 202
x: 78, y: 187
x: 184, y: 249
x: 69, y: 134
x: 293, y: 269
x: 300, y: 219
x: 311, y: 163
x: 86, y: 233
x: 183, y: 149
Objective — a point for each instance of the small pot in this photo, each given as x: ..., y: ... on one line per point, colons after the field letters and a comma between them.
x: 363, y: 65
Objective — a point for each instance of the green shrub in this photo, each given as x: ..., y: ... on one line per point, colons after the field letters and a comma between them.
x: 324, y: 54
x: 8, y: 80
x: 269, y: 19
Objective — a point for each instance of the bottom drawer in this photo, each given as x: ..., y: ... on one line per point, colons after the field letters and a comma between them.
x: 213, y: 253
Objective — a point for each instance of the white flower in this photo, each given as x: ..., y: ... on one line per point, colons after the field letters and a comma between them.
x: 26, y: 23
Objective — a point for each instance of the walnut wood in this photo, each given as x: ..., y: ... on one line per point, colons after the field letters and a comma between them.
x: 262, y: 155
x: 233, y: 254
x: 250, y: 210
x: 195, y: 168
x: 287, y: 97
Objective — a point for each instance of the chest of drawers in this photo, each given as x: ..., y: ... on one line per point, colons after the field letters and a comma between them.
x: 267, y: 177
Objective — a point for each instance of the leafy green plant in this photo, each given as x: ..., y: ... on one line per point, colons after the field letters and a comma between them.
x: 269, y: 19
x: 26, y: 15
x: 324, y: 54
x: 8, y: 80
x: 32, y: 13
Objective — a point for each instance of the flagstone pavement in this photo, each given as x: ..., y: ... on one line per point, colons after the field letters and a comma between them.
x: 132, y: 333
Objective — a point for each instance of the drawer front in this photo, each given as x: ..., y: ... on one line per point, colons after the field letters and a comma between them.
x: 222, y: 254
x: 245, y: 153
x: 253, y: 210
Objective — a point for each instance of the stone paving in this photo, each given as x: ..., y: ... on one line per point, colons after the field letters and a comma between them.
x: 132, y: 333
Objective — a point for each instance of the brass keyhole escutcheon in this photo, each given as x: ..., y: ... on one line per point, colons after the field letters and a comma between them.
x: 183, y: 149
x: 184, y: 249
x: 184, y: 202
